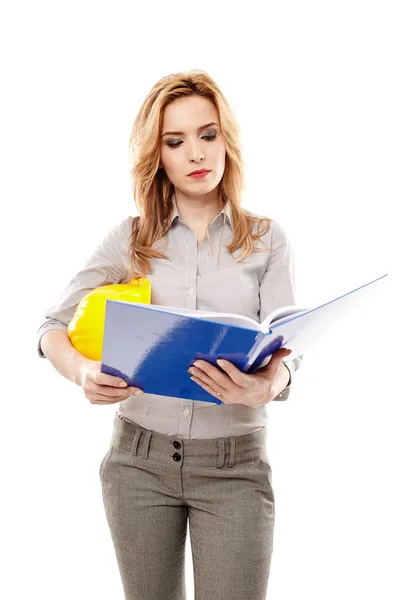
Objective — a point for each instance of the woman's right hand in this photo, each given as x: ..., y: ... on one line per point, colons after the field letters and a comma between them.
x: 101, y: 388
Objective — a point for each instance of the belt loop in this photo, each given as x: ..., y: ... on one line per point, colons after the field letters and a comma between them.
x: 221, y: 455
x: 135, y: 442
x: 232, y: 447
x: 145, y: 448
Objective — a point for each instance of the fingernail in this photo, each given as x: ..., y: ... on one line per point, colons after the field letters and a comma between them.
x: 122, y: 384
x: 138, y: 393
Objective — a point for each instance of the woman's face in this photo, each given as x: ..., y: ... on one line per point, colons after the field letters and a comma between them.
x: 195, y: 148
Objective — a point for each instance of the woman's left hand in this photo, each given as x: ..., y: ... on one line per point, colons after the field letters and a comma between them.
x: 253, y: 389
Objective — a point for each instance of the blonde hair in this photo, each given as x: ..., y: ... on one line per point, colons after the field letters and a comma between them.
x: 152, y: 189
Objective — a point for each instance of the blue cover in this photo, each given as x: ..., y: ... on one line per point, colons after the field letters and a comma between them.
x: 153, y: 350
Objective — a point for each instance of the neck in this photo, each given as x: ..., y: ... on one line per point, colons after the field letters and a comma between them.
x: 198, y: 212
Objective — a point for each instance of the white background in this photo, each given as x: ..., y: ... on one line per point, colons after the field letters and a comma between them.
x: 314, y: 86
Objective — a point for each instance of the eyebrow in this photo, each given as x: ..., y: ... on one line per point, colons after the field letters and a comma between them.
x: 183, y: 133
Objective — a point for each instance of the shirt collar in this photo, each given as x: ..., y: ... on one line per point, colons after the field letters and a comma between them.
x: 227, y: 210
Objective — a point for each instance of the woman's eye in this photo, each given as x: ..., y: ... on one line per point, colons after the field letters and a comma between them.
x: 205, y: 137
x: 173, y: 145
x: 210, y: 137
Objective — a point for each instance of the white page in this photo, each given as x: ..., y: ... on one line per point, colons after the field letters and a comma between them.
x: 218, y: 317
x: 225, y: 318
x: 280, y: 314
x: 302, y: 332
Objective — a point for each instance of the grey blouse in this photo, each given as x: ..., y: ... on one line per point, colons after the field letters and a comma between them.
x: 205, y: 277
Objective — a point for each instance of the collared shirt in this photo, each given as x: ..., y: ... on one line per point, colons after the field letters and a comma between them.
x: 201, y: 276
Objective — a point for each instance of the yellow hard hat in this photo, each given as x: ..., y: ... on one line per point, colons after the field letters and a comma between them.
x: 86, y: 328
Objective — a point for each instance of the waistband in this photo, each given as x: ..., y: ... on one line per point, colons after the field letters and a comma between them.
x: 220, y: 452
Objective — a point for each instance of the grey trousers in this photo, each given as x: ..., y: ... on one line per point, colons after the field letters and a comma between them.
x: 152, y: 484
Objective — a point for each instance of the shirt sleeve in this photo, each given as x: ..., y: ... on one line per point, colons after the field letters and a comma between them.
x: 277, y: 288
x: 104, y: 266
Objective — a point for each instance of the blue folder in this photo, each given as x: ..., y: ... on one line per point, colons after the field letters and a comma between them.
x: 152, y: 347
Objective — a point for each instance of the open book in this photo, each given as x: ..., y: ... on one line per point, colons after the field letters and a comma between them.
x: 153, y: 346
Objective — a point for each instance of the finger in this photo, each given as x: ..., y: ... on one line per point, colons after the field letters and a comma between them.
x: 99, y: 399
x: 107, y: 399
x: 204, y: 378
x: 111, y: 392
x: 276, y: 358
x: 105, y: 379
x: 211, y: 375
x: 210, y: 390
x: 234, y: 373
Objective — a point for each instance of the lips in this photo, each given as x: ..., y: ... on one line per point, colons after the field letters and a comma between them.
x: 198, y: 172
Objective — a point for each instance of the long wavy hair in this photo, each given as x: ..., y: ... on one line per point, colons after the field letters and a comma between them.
x: 152, y: 189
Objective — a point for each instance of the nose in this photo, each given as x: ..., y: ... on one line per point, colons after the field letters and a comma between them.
x: 195, y: 153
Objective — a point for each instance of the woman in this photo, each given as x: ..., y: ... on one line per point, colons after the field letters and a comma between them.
x: 170, y: 459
